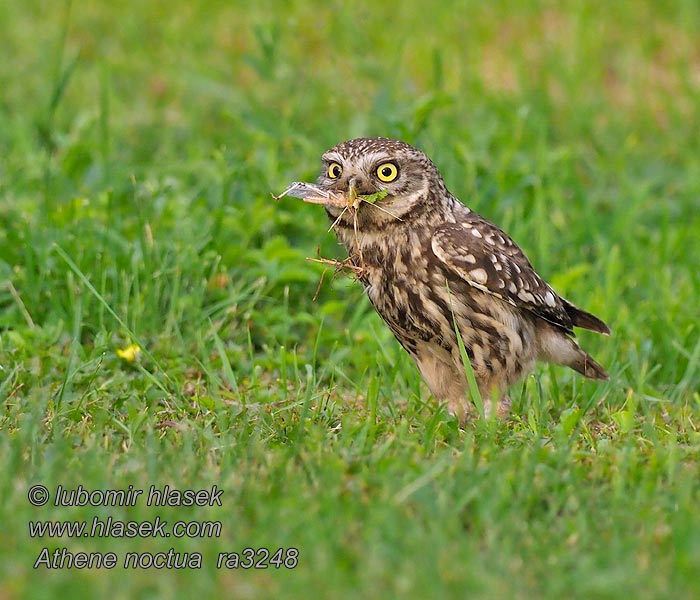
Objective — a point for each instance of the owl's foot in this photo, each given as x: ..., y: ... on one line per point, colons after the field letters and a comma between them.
x: 465, y: 411
x: 502, y: 407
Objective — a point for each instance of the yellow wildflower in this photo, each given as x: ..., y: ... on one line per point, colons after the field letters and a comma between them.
x: 130, y: 353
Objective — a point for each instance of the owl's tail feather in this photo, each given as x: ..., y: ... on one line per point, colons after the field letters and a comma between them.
x: 584, y: 319
x: 588, y: 367
x: 562, y: 349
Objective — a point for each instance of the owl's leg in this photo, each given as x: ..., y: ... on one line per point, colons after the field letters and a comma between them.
x: 494, y: 397
x: 460, y: 405
x: 448, y: 383
x: 445, y: 383
x: 504, y: 407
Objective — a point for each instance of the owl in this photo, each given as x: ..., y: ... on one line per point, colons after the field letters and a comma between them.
x: 437, y: 272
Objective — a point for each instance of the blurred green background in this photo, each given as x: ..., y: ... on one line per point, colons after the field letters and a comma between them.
x: 139, y: 146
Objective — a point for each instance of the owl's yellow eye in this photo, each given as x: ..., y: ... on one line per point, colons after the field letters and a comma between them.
x: 387, y: 172
x: 334, y: 170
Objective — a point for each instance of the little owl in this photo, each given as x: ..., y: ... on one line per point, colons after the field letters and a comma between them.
x: 432, y: 267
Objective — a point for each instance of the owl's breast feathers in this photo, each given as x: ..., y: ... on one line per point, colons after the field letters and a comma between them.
x: 398, y: 271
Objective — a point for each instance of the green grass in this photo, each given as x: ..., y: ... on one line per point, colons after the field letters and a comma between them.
x: 139, y: 145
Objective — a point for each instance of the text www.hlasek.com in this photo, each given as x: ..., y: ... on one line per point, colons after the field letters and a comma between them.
x: 112, y: 528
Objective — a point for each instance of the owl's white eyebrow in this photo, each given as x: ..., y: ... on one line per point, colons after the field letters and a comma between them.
x: 373, y: 158
x: 378, y: 157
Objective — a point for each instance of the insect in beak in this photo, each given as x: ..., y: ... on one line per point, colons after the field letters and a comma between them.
x: 352, y: 197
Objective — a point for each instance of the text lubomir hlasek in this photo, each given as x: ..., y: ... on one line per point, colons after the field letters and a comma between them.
x: 165, y: 496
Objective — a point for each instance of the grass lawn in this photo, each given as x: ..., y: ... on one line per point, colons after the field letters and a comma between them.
x: 139, y: 145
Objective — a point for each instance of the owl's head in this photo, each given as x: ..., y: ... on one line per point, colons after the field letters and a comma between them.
x: 365, y: 166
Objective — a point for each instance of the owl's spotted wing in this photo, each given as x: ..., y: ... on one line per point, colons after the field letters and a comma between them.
x: 487, y: 259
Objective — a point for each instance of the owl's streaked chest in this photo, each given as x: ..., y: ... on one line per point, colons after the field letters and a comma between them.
x: 397, y: 272
x: 386, y: 259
